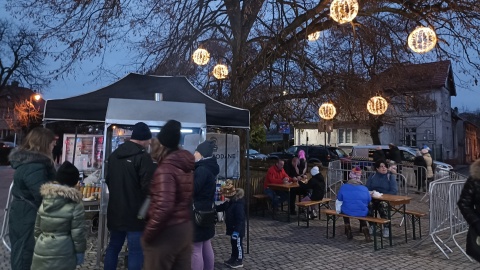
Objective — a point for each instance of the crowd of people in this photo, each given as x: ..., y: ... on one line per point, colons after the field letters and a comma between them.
x: 47, y: 219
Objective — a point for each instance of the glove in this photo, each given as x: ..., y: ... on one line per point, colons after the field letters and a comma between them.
x: 235, y: 235
x: 80, y: 258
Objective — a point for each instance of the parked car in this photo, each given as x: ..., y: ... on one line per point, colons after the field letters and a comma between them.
x: 407, y: 154
x: 254, y: 154
x: 313, y: 153
x: 5, y: 148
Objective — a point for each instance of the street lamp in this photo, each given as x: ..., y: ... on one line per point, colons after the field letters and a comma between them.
x: 35, y: 96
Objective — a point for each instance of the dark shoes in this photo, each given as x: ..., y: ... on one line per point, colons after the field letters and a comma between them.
x: 236, y: 264
x: 229, y: 261
x: 348, y: 231
x: 367, y: 234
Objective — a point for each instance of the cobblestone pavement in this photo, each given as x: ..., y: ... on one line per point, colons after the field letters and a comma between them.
x: 280, y: 245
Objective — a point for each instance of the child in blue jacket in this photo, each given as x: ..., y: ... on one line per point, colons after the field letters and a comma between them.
x: 234, y: 210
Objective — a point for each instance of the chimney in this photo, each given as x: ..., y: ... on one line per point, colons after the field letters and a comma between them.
x: 158, y: 96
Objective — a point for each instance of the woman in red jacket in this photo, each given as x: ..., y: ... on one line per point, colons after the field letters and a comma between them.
x: 167, y: 239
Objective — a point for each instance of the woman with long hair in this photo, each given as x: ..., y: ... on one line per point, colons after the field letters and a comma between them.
x: 33, y: 164
x: 168, y: 235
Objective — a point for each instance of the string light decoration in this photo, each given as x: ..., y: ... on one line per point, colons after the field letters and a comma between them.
x: 220, y: 71
x: 377, y: 105
x: 314, y: 36
x: 201, y: 57
x: 327, y: 111
x: 343, y: 11
x: 422, y: 39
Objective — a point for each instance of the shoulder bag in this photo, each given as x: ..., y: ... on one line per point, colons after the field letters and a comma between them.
x: 205, y: 218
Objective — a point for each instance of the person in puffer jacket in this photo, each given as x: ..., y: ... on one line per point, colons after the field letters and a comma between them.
x: 234, y: 210
x: 60, y: 232
x: 168, y: 235
x: 469, y: 205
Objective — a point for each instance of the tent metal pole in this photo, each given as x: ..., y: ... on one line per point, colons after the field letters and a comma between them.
x: 247, y: 175
x: 74, y: 146
x: 226, y: 155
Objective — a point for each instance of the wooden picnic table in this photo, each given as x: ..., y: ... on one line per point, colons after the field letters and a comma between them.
x: 285, y: 187
x: 399, y: 204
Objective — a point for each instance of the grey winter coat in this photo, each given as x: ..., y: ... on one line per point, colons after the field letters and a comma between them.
x: 32, y: 169
x: 60, y: 231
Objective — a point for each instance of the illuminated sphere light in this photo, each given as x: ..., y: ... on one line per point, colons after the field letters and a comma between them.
x: 201, y: 57
x: 314, y: 36
x: 220, y: 71
x: 422, y: 39
x: 377, y: 105
x: 327, y: 111
x: 343, y: 11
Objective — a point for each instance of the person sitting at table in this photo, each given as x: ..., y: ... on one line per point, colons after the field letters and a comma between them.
x: 316, y: 188
x: 302, y: 163
x: 277, y: 175
x: 292, y: 170
x: 383, y: 181
x: 354, y: 199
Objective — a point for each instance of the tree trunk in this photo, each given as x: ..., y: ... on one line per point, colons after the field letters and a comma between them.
x: 376, y: 124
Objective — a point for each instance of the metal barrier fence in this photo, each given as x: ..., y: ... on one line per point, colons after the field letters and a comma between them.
x: 4, y: 232
x: 446, y: 221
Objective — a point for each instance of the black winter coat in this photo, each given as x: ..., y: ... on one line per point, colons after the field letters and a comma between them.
x: 205, y: 176
x: 317, y: 185
x: 469, y: 203
x: 379, y: 155
x: 395, y: 155
x: 234, y: 213
x: 129, y: 172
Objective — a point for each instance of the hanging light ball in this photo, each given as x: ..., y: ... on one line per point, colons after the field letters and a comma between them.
x: 220, y: 71
x: 422, y: 39
x: 327, y: 111
x: 343, y: 11
x: 314, y: 36
x: 201, y: 57
x: 377, y: 105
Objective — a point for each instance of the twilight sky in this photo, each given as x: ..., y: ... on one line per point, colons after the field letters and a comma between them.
x: 83, y: 78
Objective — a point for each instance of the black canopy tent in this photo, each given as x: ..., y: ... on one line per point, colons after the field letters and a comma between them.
x: 92, y: 107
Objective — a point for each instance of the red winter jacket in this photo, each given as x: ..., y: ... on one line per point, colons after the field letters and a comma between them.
x: 274, y: 176
x: 171, y: 192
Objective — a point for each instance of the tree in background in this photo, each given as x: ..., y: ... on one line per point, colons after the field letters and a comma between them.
x: 274, y: 71
x: 21, y: 57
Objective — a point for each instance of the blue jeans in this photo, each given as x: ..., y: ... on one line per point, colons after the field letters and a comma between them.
x: 135, y: 253
x: 276, y: 196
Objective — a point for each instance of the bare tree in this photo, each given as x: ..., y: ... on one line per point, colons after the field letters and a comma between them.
x: 274, y: 70
x: 21, y: 57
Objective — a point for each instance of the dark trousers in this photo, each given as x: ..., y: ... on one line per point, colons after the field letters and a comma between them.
x: 237, y: 248
x: 171, y: 249
x: 420, y: 176
x: 346, y: 221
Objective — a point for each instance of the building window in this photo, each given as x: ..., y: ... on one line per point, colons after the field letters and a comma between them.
x: 347, y: 135
x: 410, y: 137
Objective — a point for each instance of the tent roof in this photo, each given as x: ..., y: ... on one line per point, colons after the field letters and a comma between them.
x: 92, y: 107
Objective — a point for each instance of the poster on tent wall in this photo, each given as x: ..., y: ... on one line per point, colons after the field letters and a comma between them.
x: 227, y: 152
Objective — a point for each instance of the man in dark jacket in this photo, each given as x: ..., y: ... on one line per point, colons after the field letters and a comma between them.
x: 129, y: 172
x: 396, y: 156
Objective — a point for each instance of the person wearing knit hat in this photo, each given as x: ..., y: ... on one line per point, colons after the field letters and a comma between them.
x: 430, y: 167
x: 61, y: 205
x: 302, y: 165
x: 141, y: 132
x: 172, y: 188
x: 129, y: 171
x: 68, y: 174
x: 317, y: 186
x: 205, y: 148
x: 169, y: 135
x: 355, y: 174
x: 204, y: 187
x: 234, y: 210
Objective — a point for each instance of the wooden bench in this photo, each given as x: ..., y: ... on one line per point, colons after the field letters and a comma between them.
x: 261, y: 199
x: 306, y: 204
x: 415, y: 218
x: 332, y: 215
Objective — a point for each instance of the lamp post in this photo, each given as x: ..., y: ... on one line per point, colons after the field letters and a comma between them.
x: 35, y: 96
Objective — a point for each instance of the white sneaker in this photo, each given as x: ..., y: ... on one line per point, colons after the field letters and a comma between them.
x: 370, y: 229
x: 386, y: 232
